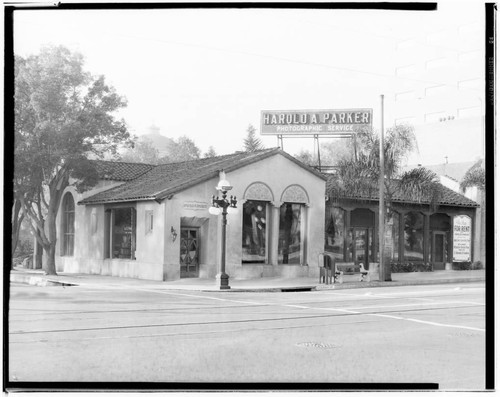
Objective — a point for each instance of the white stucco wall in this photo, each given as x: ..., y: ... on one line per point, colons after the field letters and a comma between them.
x: 278, y: 173
x: 157, y: 253
x: 89, y: 254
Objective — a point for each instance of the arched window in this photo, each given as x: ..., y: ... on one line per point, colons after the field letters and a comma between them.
x: 255, y: 216
x: 68, y: 225
x: 334, y: 232
x: 292, y: 222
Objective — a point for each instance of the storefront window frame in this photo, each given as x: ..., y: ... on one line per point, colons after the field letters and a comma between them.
x: 267, y: 236
x: 328, y: 247
x: 109, y: 237
x: 302, y: 232
x: 421, y: 231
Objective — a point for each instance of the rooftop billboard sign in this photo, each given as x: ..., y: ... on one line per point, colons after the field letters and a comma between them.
x: 314, y: 122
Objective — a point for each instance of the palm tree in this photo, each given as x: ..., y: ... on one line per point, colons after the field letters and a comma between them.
x: 358, y: 176
x: 475, y: 176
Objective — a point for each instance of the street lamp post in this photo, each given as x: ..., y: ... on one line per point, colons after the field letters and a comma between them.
x: 223, y: 204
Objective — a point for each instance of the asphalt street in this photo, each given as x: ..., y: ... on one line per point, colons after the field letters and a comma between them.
x: 411, y: 334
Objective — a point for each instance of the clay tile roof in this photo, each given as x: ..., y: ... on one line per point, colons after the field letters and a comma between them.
x: 118, y: 171
x: 164, y: 180
x: 447, y: 196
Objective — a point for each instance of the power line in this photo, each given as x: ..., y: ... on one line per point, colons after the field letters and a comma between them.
x: 266, y: 56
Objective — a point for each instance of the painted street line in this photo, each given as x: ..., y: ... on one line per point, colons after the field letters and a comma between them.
x: 427, y: 322
x: 328, y: 309
x: 415, y: 304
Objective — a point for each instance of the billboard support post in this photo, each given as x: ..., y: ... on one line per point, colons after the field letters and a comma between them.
x: 316, y: 141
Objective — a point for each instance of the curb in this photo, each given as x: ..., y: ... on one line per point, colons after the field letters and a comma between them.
x: 39, y: 281
x: 43, y: 281
x: 372, y: 284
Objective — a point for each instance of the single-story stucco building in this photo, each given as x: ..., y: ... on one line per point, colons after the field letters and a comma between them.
x: 434, y: 233
x: 153, y: 222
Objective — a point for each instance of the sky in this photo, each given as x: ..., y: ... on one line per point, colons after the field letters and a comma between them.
x: 208, y: 73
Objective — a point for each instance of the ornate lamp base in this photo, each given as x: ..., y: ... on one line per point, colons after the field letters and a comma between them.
x: 223, y: 281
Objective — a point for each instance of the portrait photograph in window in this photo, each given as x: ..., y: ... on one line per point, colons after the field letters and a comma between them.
x: 254, y: 232
x: 289, y: 244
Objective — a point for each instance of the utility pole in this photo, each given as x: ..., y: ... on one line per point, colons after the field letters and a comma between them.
x: 381, y: 209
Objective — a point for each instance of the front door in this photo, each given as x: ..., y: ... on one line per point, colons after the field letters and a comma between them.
x: 438, y: 250
x: 361, y: 249
x: 189, y: 255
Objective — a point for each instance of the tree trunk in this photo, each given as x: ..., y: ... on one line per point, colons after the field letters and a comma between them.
x: 16, y: 225
x: 38, y: 260
x: 56, y: 187
x: 50, y: 264
x: 50, y: 249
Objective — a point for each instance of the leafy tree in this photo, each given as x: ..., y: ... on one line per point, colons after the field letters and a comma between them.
x: 335, y: 150
x: 330, y: 152
x: 251, y: 142
x: 306, y: 157
x: 210, y: 152
x: 143, y: 151
x: 63, y: 116
x: 182, y: 149
x: 475, y: 176
x: 359, y: 174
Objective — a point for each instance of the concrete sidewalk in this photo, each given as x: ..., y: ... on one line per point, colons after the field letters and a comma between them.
x: 268, y: 284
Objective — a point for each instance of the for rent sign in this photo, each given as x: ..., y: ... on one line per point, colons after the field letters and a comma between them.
x: 314, y: 122
x: 462, y: 235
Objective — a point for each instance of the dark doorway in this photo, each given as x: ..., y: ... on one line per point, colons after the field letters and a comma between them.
x: 361, y: 245
x: 439, y: 250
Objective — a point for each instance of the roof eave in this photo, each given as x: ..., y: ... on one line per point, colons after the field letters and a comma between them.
x: 471, y: 205
x: 115, y: 201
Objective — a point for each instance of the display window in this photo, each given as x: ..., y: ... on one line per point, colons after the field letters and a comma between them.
x: 414, y: 237
x: 254, y: 240
x: 121, y: 227
x: 334, y: 232
x: 290, y: 248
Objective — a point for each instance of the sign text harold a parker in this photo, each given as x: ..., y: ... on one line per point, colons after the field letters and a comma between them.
x: 278, y: 122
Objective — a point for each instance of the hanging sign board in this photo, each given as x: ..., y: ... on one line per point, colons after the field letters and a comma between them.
x: 462, y: 235
x: 314, y: 122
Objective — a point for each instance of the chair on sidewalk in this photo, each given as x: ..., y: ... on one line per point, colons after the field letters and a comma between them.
x: 364, y: 274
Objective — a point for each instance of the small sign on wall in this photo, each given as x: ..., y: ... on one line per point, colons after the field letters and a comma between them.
x: 462, y: 236
x: 195, y: 205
